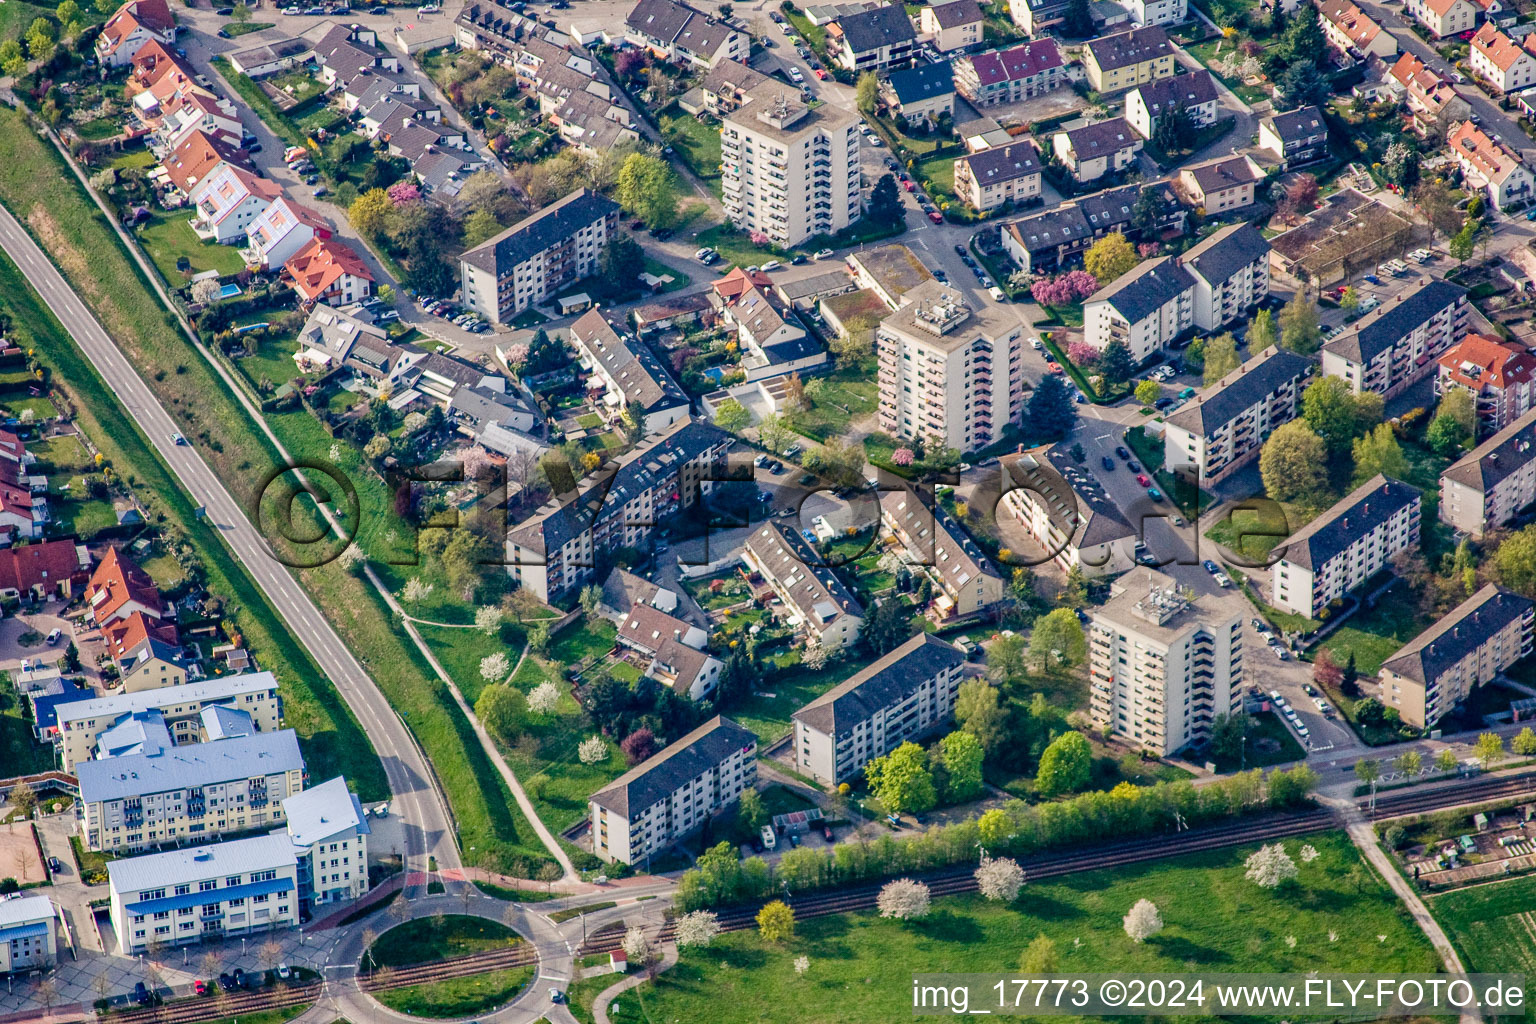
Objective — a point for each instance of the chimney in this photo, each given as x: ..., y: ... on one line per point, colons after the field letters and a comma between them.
x: 1345, y: 523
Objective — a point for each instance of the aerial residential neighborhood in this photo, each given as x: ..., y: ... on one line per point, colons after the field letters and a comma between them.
x: 590, y: 510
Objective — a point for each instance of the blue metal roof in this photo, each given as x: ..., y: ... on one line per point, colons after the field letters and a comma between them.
x: 197, y: 899
x: 23, y: 931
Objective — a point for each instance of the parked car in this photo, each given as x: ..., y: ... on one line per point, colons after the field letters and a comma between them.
x: 997, y: 293
x: 1141, y: 478
x: 199, y: 987
x: 1107, y: 462
x: 284, y: 971
x: 770, y: 266
x: 1222, y: 580
x: 1038, y: 345
x: 54, y: 864
x: 822, y: 254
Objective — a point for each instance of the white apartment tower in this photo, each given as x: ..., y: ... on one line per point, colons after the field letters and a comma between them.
x: 1164, y: 662
x: 787, y: 170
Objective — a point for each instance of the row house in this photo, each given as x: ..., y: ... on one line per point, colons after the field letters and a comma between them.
x: 271, y: 58
x: 43, y: 570
x: 1043, y: 242
x: 553, y: 552
x: 870, y: 40
x: 675, y: 31
x: 951, y: 26
x: 1068, y: 515
x: 539, y: 256
x: 1128, y: 59
x: 1094, y: 150
x: 966, y: 583
x: 901, y: 697
x: 1398, y: 342
x: 671, y: 650
x: 1223, y: 427
x: 490, y: 27
x: 348, y: 52
x: 592, y: 124
x: 326, y: 270
x: 1348, y: 29
x: 228, y: 202
x: 670, y: 794
x: 1500, y: 375
x: 815, y: 600
x: 147, y: 652
x: 1008, y: 76
x: 1489, y: 166
x: 196, y: 157
x: 1431, y: 99
x: 1034, y: 16
x: 625, y: 374
x: 1345, y: 546
x: 1500, y: 61
x: 1494, y: 482
x: 278, y: 233
x: 1003, y: 174
x: 196, y: 111
x: 1473, y: 645
x: 1193, y: 94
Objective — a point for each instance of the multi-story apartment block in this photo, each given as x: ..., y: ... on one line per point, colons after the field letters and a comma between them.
x: 329, y: 831
x: 814, y: 598
x: 1128, y: 59
x: 1500, y: 61
x: 1296, y: 138
x: 1094, y: 150
x: 1003, y: 174
x: 947, y: 371
x: 1230, y: 269
x: 1398, y: 342
x: 539, y: 256
x: 1194, y: 94
x: 631, y: 374
x: 1223, y: 427
x: 953, y: 25
x: 1345, y: 546
x: 787, y: 170
x: 1145, y: 309
x: 966, y: 583
x: 1439, y: 668
x: 1445, y: 17
x: 556, y: 549
x: 902, y: 696
x: 675, y: 31
x: 1158, y: 12
x: 1067, y: 513
x: 1492, y: 168
x: 82, y: 722
x: 28, y: 934
x: 1349, y: 29
x: 1008, y: 76
x: 670, y: 794
x: 242, y: 887
x: 1221, y: 184
x: 1491, y: 484
x: 881, y: 37
x: 165, y: 795
x: 1500, y: 375
x: 1163, y: 663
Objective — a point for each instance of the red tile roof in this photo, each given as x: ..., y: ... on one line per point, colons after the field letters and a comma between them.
x: 126, y: 636
x: 1481, y: 361
x: 320, y: 264
x: 738, y: 282
x: 196, y: 157
x: 117, y: 581
x: 154, y: 15
x: 47, y: 565
x: 1501, y: 50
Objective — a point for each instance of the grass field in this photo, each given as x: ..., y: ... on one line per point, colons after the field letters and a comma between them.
x: 1492, y: 926
x: 19, y: 752
x: 941, y: 172
x: 697, y: 144
x: 735, y: 248
x: 421, y: 941
x: 1375, y: 634
x: 167, y: 237
x: 458, y: 997
x: 861, y: 965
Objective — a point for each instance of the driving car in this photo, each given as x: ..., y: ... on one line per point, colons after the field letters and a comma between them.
x: 55, y: 636
x: 177, y: 439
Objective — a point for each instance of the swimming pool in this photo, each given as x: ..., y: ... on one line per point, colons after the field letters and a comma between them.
x: 229, y: 291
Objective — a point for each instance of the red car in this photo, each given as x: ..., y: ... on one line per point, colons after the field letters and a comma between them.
x: 1053, y: 366
x: 909, y: 185
x: 1141, y: 478
x: 936, y: 217
x: 821, y: 74
x: 200, y: 987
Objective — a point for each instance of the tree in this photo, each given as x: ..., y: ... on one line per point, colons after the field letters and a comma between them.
x: 1302, y: 85
x: 904, y: 900
x: 1445, y: 761
x: 637, y: 947
x: 1410, y: 763
x: 1462, y: 243
x: 538, y: 639
x: 621, y: 263
x: 370, y: 212
x: 499, y: 709
x: 1379, y: 452
x: 1270, y: 866
x: 1445, y: 436
x: 1057, y: 640
x: 1066, y: 766
x: 1350, y: 300
x: 12, y: 62
x: 1488, y: 749
x: 1261, y: 331
x: 206, y: 292
x: 241, y: 15
x: 1514, y: 561
x: 1220, y: 357
x: 885, y: 202
x: 1077, y: 22
x: 646, y: 189
x: 776, y: 922
x: 41, y: 41
x: 888, y: 625
x: 67, y: 11
x: 1116, y: 364
x: 1228, y: 734
x: 378, y: 446
x: 980, y: 712
x: 901, y: 780
x: 1174, y: 131
x: 750, y: 812
x: 963, y: 756
x: 591, y: 597
x: 1052, y: 413
x: 696, y: 928
x: 731, y: 416
x: 1325, y: 670
x: 1367, y: 770
x: 867, y: 92
x: 995, y: 827
x: 1328, y: 406
x: 1524, y: 742
x: 1294, y: 463
x: 1110, y: 257
x: 1299, y: 331
x: 1148, y: 391
x: 1143, y: 921
x: 999, y: 879
x: 544, y: 698
x: 1039, y: 958
x: 592, y: 750
x: 773, y: 434
x: 478, y: 226
x: 638, y: 745
x: 24, y: 798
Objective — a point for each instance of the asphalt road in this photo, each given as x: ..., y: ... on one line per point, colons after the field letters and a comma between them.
x: 414, y: 797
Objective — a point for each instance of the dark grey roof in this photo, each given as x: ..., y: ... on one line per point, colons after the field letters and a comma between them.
x: 659, y: 19
x: 941, y: 541
x: 641, y: 376
x: 1191, y: 90
x: 1385, y: 326
x: 1468, y: 626
x: 880, y: 685
x: 480, y: 405
x: 1222, y: 173
x: 1216, y: 406
x: 1224, y: 253
x: 1138, y: 293
x: 1361, y: 511
x: 1075, y: 502
x: 1126, y: 48
x: 1502, y: 455
x: 1048, y: 229
x: 1004, y: 163
x: 819, y: 596
x: 913, y: 85
x: 659, y: 776
x: 1299, y: 124
x: 956, y: 12
x: 533, y: 234
x: 703, y: 35
x: 883, y: 26
x: 1113, y: 206
x: 1102, y: 139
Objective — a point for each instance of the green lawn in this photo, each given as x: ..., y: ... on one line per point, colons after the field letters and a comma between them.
x: 792, y: 689
x: 133, y: 157
x: 861, y: 965
x: 458, y: 997
x: 735, y: 248
x: 1205, y: 53
x: 1490, y: 925
x: 422, y: 941
x: 940, y: 171
x: 86, y: 517
x: 19, y: 752
x: 65, y: 452
x: 167, y: 237
x: 1374, y: 635
x: 236, y: 29
x: 1253, y: 534
x: 695, y: 143
x: 1269, y: 741
x: 847, y: 393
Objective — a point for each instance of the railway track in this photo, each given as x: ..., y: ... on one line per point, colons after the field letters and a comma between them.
x: 521, y: 955
x: 212, y: 1007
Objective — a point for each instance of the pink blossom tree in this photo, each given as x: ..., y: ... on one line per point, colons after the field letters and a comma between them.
x: 1082, y: 354
x: 403, y: 193
x: 902, y: 457
x: 1146, y: 250
x: 1079, y: 284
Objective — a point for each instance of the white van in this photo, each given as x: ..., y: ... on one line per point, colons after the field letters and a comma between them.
x: 769, y: 839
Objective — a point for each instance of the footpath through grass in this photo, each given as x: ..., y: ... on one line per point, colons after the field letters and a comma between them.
x: 1215, y: 919
x: 422, y: 940
x: 43, y: 193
